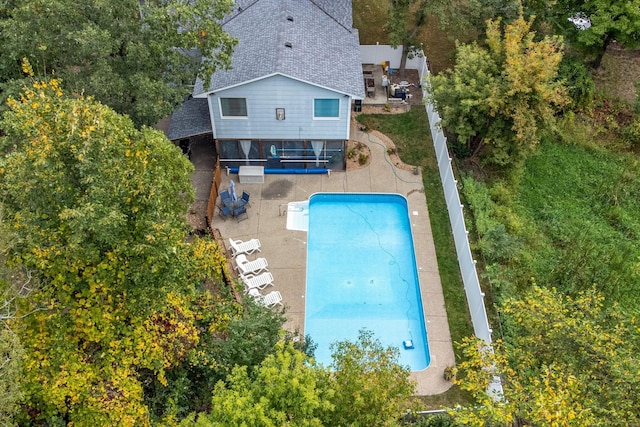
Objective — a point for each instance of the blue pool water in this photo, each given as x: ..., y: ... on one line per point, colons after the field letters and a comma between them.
x: 361, y: 273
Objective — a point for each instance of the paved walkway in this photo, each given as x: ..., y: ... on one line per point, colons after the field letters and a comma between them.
x: 286, y: 250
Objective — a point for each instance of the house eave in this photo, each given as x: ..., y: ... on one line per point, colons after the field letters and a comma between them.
x: 207, y: 93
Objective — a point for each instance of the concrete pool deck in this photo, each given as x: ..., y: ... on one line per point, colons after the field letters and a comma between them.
x: 286, y: 250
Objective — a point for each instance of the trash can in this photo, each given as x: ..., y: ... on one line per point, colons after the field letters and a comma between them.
x: 357, y: 105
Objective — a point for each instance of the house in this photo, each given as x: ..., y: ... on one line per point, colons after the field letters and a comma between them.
x: 286, y: 103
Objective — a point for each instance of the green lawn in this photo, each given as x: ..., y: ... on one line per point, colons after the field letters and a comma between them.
x: 410, y: 132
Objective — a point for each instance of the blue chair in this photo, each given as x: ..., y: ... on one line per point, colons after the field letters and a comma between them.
x: 245, y: 197
x: 240, y: 213
x: 225, y: 212
x: 224, y: 195
x: 244, y: 200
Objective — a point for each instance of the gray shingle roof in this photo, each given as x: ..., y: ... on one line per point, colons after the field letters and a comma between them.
x: 190, y: 120
x: 325, y: 49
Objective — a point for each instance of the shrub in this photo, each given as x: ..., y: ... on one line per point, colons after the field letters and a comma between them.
x: 631, y: 133
x: 450, y: 373
x: 578, y: 80
x: 363, y: 159
x: 435, y: 420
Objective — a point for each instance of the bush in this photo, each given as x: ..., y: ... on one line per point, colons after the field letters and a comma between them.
x: 435, y: 420
x: 578, y: 80
x: 363, y: 159
x: 631, y: 133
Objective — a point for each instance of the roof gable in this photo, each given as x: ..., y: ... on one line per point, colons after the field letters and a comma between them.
x: 309, y: 40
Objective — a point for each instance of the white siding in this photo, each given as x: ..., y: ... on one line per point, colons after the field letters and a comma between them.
x: 264, y: 96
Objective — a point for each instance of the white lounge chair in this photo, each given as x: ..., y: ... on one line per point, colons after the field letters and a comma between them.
x: 240, y: 247
x: 257, y: 282
x: 245, y: 267
x: 271, y: 299
x: 254, y: 293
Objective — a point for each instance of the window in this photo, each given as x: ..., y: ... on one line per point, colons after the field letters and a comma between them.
x: 233, y: 107
x: 326, y: 108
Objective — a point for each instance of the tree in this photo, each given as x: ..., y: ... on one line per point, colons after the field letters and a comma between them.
x: 138, y: 57
x: 98, y: 210
x: 371, y: 388
x: 287, y: 389
x: 469, y: 18
x: 496, y: 99
x: 565, y: 361
x: 366, y: 387
x: 246, y: 341
x: 403, y: 26
x: 611, y: 20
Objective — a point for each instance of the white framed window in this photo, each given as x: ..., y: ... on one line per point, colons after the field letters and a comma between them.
x: 326, y: 108
x: 233, y: 108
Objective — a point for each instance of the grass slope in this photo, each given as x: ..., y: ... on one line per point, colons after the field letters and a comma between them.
x: 582, y: 205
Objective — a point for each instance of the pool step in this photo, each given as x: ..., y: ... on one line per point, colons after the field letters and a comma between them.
x: 298, y: 216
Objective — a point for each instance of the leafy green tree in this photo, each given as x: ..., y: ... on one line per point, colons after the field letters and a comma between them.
x: 365, y: 387
x: 578, y: 81
x: 98, y: 210
x: 138, y: 57
x: 288, y: 389
x: 247, y: 340
x: 496, y: 99
x: 468, y: 19
x: 11, y: 352
x: 611, y: 20
x: 371, y: 387
x: 565, y: 361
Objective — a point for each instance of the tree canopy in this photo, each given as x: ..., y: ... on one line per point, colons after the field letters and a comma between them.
x: 565, y: 361
x: 406, y: 17
x: 98, y: 210
x: 497, y: 98
x: 610, y: 20
x: 366, y: 387
x: 138, y: 57
x: 287, y: 389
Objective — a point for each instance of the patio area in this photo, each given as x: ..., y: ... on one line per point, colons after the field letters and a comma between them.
x: 378, y: 96
x: 286, y: 251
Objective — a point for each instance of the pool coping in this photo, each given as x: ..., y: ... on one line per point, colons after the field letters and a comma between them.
x: 285, y: 250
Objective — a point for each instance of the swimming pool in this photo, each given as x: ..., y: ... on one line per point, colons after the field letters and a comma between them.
x: 361, y: 273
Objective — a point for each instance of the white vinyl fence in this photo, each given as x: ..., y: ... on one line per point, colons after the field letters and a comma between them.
x: 475, y: 297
